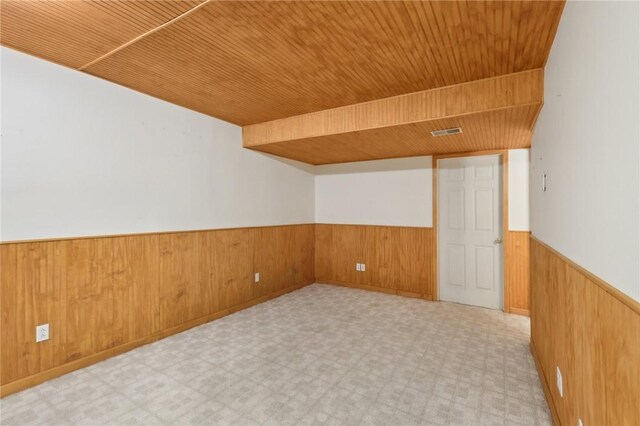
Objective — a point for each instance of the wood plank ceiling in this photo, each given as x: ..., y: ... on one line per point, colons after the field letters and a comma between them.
x: 249, y: 62
x: 74, y: 33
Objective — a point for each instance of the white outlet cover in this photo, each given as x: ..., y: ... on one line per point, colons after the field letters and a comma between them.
x: 257, y: 277
x: 559, y: 380
x: 42, y: 333
x: 357, y: 266
x: 362, y: 267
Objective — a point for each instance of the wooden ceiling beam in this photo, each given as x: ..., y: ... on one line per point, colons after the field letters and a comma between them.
x: 512, y: 91
x: 505, y: 128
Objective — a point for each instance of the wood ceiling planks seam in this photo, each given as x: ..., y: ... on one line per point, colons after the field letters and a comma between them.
x: 72, y: 33
x: 170, y: 20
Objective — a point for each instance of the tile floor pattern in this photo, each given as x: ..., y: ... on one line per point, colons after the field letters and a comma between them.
x: 320, y: 355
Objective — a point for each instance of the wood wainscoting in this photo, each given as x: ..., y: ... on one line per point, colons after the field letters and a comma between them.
x: 591, y: 331
x: 402, y: 260
x: 106, y: 295
x: 399, y: 260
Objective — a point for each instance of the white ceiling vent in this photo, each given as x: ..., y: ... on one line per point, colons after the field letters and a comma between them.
x: 446, y: 132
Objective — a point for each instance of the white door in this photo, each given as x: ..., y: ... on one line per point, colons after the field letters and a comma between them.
x: 470, y: 249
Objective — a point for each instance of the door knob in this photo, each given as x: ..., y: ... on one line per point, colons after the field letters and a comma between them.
x: 497, y: 241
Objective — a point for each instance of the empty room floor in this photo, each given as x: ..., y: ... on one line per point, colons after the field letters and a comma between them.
x: 319, y: 355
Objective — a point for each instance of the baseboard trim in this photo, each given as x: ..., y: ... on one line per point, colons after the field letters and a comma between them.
x: 545, y: 386
x: 520, y: 311
x: 376, y: 289
x: 61, y: 370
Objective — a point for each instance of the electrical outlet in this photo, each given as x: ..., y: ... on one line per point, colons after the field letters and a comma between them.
x: 544, y: 182
x: 257, y: 277
x: 362, y: 267
x: 42, y: 333
x: 559, y: 380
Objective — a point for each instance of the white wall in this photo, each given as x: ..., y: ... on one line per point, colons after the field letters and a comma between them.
x: 587, y: 142
x: 518, y: 172
x: 82, y: 156
x: 398, y: 192
x: 393, y: 192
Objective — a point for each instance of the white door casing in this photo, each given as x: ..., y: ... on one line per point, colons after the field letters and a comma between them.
x: 470, y: 250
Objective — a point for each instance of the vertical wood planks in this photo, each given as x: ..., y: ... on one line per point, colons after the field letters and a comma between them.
x: 398, y: 260
x: 102, y: 293
x: 592, y: 332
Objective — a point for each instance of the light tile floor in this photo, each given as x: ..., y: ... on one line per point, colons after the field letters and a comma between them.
x: 320, y: 355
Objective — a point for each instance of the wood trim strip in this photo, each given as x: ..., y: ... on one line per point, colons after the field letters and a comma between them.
x: 545, y: 385
x: 520, y: 311
x: 620, y: 296
x: 52, y: 373
x: 434, y: 218
x: 376, y: 289
x: 189, y: 231
x: 517, y: 271
x: 506, y: 285
x: 471, y: 154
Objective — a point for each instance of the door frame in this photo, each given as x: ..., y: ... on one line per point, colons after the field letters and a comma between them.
x: 504, y: 153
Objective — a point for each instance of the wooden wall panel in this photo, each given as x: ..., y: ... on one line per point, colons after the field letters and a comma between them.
x: 401, y: 260
x: 284, y: 258
x: 516, y: 271
x: 34, y: 297
x: 335, y: 245
x: 189, y: 279
x: 592, y: 332
x: 104, y: 295
x: 231, y: 256
x: 398, y: 259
